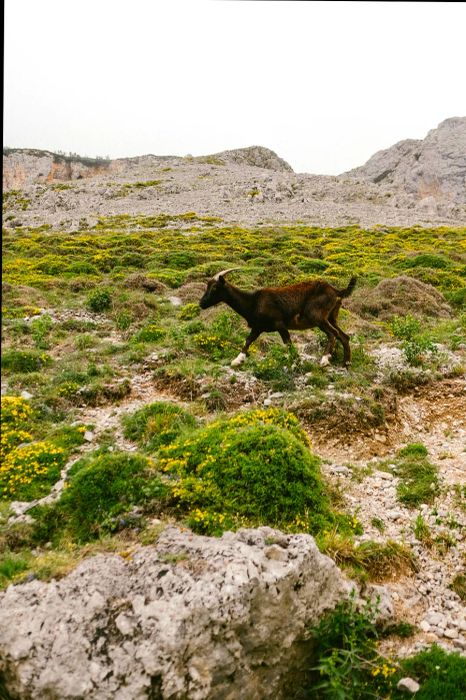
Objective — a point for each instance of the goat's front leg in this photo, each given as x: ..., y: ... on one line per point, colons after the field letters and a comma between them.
x: 285, y: 336
x: 239, y: 359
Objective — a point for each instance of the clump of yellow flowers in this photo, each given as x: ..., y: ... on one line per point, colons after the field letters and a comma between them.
x: 28, y: 467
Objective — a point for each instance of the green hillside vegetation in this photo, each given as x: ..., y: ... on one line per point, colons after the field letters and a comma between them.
x: 88, y: 314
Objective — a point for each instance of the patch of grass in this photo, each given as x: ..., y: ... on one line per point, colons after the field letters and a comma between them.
x: 439, y: 673
x: 347, y: 664
x: 99, y: 300
x: 418, y: 477
x: 404, y: 630
x: 11, y: 565
x: 422, y: 531
x: 459, y: 586
x: 24, y: 361
x: 99, y: 490
x: 157, y: 424
x: 378, y: 523
x: 369, y: 560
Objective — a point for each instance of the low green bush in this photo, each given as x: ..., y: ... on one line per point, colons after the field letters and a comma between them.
x: 157, y: 424
x: 99, y: 300
x: 189, y: 311
x: 418, y: 477
x: 24, y: 360
x: 99, y: 489
x: 254, y: 467
x: 149, y: 334
x: 440, y: 675
x: 347, y: 664
x: 12, y: 564
x: 349, y: 667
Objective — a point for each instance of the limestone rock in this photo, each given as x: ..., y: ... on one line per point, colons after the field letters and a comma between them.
x: 257, y: 156
x: 408, y: 684
x: 430, y: 168
x: 193, y: 617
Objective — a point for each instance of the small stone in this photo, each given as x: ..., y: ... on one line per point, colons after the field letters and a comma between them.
x: 88, y: 436
x: 385, y: 475
x: 408, y: 684
x: 451, y: 633
x: 424, y: 625
x: 26, y: 395
x: 340, y: 470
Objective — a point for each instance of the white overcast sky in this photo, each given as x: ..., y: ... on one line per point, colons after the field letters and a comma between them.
x: 324, y: 84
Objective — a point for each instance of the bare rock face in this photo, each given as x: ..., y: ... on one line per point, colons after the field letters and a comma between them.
x: 256, y: 156
x: 192, y: 617
x: 431, y: 168
x: 23, y: 167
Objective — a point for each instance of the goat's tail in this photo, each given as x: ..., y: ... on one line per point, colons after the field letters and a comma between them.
x: 349, y: 289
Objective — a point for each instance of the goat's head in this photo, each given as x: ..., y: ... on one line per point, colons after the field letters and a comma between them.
x: 215, y: 288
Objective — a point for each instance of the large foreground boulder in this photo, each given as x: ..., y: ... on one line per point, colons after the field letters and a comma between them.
x: 192, y: 617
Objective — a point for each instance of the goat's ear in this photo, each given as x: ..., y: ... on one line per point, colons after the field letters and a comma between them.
x: 221, y: 280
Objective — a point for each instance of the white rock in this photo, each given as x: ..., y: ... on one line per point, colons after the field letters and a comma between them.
x: 408, y: 684
x: 194, y: 621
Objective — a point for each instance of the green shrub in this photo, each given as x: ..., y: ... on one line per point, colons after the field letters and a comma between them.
x: 11, y: 564
x: 99, y: 489
x: 189, y: 311
x: 405, y: 327
x: 280, y: 366
x: 82, y: 268
x: 440, y: 675
x: 348, y: 666
x: 24, y: 360
x: 418, y: 478
x: 99, y: 300
x: 427, y: 260
x: 157, y: 424
x: 40, y: 329
x: 458, y: 585
x: 29, y: 470
x: 149, y: 334
x: 254, y: 467
x: 312, y: 265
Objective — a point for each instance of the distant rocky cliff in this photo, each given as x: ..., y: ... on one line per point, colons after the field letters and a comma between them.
x: 23, y: 167
x: 415, y: 182
x: 432, y: 167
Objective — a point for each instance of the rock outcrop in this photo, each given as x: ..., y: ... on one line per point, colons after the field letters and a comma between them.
x: 23, y: 167
x: 257, y: 156
x: 190, y: 618
x: 431, y: 168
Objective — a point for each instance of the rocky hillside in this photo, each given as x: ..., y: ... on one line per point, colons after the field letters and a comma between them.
x: 434, y: 167
x: 413, y: 183
x: 176, y: 526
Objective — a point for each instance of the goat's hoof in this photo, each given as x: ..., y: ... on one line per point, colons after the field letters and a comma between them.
x: 238, y: 360
x: 325, y: 361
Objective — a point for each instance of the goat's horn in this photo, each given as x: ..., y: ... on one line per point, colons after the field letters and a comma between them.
x: 224, y: 272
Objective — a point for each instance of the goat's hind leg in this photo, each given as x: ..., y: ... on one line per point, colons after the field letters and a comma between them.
x: 331, y: 340
x: 333, y: 329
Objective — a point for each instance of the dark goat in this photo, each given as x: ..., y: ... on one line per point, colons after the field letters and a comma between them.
x: 295, y: 307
